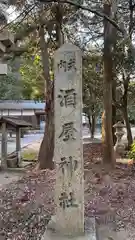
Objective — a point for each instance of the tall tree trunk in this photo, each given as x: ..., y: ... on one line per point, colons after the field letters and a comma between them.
x: 128, y: 127
x: 92, y: 124
x: 127, y: 80
x: 108, y: 150
x: 114, y: 110
x: 103, y: 127
x: 125, y: 109
x: 113, y: 122
x: 45, y: 156
x: 89, y: 119
x: 46, y: 152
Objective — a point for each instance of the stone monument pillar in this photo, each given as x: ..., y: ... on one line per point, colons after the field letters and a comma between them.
x: 68, y: 222
x: 68, y: 154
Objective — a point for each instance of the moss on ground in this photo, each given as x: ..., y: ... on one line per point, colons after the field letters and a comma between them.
x: 29, y: 155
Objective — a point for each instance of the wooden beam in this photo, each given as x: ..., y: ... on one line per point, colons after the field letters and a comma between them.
x: 4, y: 146
x: 18, y: 146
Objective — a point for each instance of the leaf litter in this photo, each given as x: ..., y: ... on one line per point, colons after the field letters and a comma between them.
x: 26, y: 205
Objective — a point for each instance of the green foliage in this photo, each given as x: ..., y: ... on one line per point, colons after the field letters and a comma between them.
x: 92, y: 84
x: 10, y: 87
x: 32, y: 77
x: 131, y: 153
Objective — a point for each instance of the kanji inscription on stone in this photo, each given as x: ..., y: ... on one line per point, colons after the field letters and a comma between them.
x: 68, y: 131
x: 67, y: 201
x: 67, y: 98
x: 68, y: 63
x: 69, y: 164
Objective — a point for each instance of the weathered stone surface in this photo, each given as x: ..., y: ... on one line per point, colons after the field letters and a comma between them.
x: 2, y: 48
x: 89, y: 234
x: 3, y: 69
x: 68, y: 155
x: 7, y: 38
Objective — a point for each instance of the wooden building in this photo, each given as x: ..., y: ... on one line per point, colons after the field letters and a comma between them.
x: 28, y: 110
x: 6, y: 124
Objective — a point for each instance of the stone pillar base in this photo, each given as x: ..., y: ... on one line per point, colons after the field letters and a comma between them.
x: 90, y: 231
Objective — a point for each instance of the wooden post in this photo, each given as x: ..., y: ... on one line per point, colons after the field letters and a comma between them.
x: 4, y: 146
x: 18, y: 146
x: 38, y: 120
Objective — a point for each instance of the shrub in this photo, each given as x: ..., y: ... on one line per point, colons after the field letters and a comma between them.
x: 131, y: 153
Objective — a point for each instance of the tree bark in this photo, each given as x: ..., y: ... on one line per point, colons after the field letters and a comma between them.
x: 89, y: 119
x: 126, y: 82
x: 125, y: 109
x: 128, y: 127
x: 114, y: 83
x: 114, y: 110
x: 46, y: 152
x: 92, y: 124
x: 108, y: 150
x: 45, y: 157
x: 103, y: 127
x: 113, y: 122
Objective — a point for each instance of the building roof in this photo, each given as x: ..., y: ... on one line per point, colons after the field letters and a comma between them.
x: 15, y: 122
x: 21, y: 105
x: 40, y: 112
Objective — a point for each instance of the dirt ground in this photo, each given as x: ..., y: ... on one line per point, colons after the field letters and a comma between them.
x: 27, y: 205
x: 109, y: 194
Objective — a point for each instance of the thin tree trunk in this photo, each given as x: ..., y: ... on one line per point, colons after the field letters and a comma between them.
x: 125, y: 110
x: 128, y: 127
x: 127, y: 80
x: 89, y: 119
x: 93, y: 125
x: 108, y: 150
x: 113, y: 122
x: 103, y: 127
x: 46, y: 152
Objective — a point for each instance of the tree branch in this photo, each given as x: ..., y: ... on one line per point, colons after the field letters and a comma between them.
x: 17, y: 51
x: 30, y: 28
x: 102, y: 15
